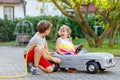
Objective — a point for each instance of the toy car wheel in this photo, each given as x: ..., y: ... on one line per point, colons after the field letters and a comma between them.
x: 92, y: 67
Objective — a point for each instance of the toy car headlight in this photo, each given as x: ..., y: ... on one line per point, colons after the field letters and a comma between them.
x: 109, y: 61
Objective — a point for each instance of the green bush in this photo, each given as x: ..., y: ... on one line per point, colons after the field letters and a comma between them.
x: 92, y: 22
x: 7, y: 27
x: 57, y: 21
x: 6, y: 30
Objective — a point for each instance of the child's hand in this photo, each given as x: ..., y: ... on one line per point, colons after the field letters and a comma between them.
x: 61, y: 53
x: 54, y: 52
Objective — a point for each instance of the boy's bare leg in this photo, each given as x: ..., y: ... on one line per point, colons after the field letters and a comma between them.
x: 40, y: 52
x: 48, y: 69
x: 48, y: 58
x: 37, y: 56
x: 57, y: 60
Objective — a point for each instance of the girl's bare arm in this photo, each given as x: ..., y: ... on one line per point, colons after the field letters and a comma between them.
x: 57, y: 45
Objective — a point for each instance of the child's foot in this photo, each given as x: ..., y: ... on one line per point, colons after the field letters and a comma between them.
x: 72, y: 70
x: 35, y: 70
x: 29, y: 65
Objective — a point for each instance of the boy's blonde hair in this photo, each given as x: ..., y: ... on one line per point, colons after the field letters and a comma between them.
x: 65, y: 27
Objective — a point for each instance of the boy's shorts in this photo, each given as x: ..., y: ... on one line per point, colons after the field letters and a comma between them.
x: 30, y: 58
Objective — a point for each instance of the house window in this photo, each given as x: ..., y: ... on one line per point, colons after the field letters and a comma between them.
x: 9, y: 12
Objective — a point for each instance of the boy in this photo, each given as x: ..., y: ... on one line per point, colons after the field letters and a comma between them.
x: 36, y: 54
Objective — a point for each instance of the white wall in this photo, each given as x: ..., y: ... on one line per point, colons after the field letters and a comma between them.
x: 1, y: 12
x: 50, y: 9
x: 18, y: 10
x: 33, y: 8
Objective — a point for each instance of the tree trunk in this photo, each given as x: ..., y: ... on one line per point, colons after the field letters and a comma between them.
x: 86, y: 33
x: 105, y: 33
x: 112, y: 36
x: 88, y: 38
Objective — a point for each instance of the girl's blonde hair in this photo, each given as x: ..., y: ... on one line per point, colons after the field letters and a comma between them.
x: 65, y: 27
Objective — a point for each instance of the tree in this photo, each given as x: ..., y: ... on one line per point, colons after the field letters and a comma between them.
x: 105, y: 8
x: 113, y: 32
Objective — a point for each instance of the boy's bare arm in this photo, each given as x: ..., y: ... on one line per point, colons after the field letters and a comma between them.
x: 46, y: 45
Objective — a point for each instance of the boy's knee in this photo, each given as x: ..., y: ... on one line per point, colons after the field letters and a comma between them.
x: 38, y: 49
x: 58, y: 60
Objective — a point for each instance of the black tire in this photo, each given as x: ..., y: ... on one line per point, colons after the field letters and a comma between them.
x: 55, y: 65
x: 92, y: 67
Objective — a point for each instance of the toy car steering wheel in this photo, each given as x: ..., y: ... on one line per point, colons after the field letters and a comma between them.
x: 79, y: 48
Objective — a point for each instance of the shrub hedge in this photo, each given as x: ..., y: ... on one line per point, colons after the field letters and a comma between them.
x: 6, y: 30
x: 7, y: 27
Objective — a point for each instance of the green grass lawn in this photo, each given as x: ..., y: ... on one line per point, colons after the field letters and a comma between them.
x: 115, y: 50
x: 12, y: 43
